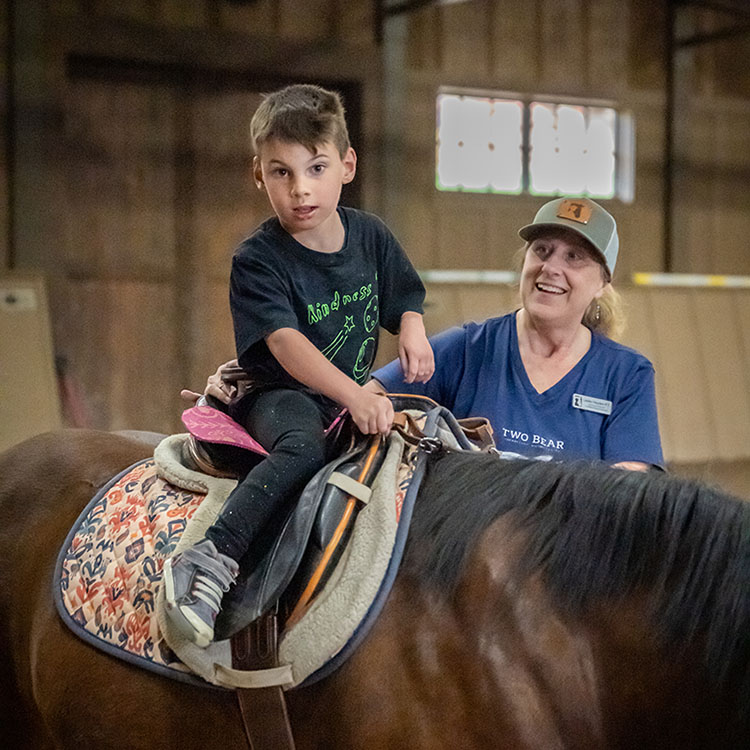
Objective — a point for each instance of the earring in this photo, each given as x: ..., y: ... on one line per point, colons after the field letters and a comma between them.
x: 598, y: 312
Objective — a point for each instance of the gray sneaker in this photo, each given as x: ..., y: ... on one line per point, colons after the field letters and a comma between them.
x: 195, y: 581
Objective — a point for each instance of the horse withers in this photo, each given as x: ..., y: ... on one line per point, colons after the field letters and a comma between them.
x: 539, y: 605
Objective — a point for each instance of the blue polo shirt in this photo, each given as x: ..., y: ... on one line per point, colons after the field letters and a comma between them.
x: 604, y: 408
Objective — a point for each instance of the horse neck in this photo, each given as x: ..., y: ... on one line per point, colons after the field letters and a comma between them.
x: 602, y: 678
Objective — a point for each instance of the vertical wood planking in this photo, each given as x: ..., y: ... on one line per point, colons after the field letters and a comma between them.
x: 312, y: 19
x: 144, y: 383
x: 120, y: 341
x: 5, y: 176
x: 608, y: 52
x: 480, y: 301
x: 260, y: 18
x: 515, y: 52
x: 697, y: 197
x: 640, y: 334
x: 227, y: 207
x: 355, y: 21
x: 681, y: 361
x: 645, y: 40
x: 415, y: 221
x: 119, y: 183
x: 731, y: 217
x: 183, y: 13
x: 441, y: 308
x: 134, y: 10
x: 565, y: 27
x: 464, y: 41
x: 423, y: 50
x: 464, y: 230
x: 741, y: 318
x: 720, y: 342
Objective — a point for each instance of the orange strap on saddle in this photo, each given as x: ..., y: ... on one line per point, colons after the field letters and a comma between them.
x: 306, y: 597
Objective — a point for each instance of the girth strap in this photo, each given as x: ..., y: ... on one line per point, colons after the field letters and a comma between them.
x: 264, y: 712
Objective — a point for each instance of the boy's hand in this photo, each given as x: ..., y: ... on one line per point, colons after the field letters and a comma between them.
x: 371, y: 412
x: 414, y: 350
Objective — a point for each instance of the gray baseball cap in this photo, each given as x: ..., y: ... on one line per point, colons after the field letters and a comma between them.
x: 584, y: 217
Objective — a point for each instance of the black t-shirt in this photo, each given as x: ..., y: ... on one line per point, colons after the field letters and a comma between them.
x: 337, y: 300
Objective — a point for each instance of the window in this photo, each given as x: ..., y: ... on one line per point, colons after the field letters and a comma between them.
x: 510, y: 145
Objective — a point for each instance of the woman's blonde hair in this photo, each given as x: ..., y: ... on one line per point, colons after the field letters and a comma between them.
x: 605, y: 315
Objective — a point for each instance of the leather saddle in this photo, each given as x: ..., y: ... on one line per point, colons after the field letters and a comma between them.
x: 302, y: 550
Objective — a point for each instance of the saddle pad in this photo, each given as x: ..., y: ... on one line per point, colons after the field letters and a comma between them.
x: 109, y: 569
x: 108, y: 574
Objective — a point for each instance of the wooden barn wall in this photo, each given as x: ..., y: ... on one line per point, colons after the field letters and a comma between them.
x: 132, y: 182
x: 600, y: 49
x: 5, y: 214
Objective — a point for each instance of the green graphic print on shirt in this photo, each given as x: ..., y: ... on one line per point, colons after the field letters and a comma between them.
x: 319, y: 311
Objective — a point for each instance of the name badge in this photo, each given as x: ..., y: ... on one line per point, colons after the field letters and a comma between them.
x: 589, y: 403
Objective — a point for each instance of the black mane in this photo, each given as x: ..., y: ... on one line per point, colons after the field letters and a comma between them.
x: 596, y: 533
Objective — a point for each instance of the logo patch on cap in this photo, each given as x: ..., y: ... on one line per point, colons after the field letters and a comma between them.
x: 575, y: 211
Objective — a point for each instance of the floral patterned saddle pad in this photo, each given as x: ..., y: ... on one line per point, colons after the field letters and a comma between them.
x: 109, y: 568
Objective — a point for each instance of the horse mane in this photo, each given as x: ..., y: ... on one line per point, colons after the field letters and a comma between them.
x: 597, y: 533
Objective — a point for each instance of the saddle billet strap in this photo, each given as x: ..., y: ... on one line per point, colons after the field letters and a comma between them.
x: 264, y: 712
x: 407, y: 427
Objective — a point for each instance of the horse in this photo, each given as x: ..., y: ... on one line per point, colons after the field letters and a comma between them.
x: 539, y: 605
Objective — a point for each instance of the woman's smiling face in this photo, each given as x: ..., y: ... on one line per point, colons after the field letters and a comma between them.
x: 561, y: 275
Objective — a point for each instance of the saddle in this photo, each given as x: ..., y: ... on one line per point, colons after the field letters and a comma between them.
x: 310, y: 541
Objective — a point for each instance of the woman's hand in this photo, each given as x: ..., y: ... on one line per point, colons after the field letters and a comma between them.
x: 414, y: 350
x: 631, y: 465
x: 215, y: 387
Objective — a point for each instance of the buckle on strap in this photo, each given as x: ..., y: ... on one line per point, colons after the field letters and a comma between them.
x: 430, y: 445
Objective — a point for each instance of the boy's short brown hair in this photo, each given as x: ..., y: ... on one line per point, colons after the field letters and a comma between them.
x: 301, y: 113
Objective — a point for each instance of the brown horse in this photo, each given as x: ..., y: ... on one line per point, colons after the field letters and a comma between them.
x: 539, y: 605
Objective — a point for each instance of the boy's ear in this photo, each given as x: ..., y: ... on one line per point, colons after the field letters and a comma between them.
x: 258, y: 173
x: 350, y: 165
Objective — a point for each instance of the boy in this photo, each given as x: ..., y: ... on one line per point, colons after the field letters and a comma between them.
x: 307, y: 292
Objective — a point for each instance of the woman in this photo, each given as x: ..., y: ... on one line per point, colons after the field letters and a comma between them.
x: 547, y: 377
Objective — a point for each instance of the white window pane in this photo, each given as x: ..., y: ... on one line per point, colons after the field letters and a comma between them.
x: 571, y: 145
x: 479, y: 144
x: 572, y: 148
x: 543, y: 156
x: 449, y: 143
x: 600, y: 156
x: 505, y: 142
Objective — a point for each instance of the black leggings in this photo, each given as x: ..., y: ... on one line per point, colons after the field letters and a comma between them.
x: 290, y: 426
